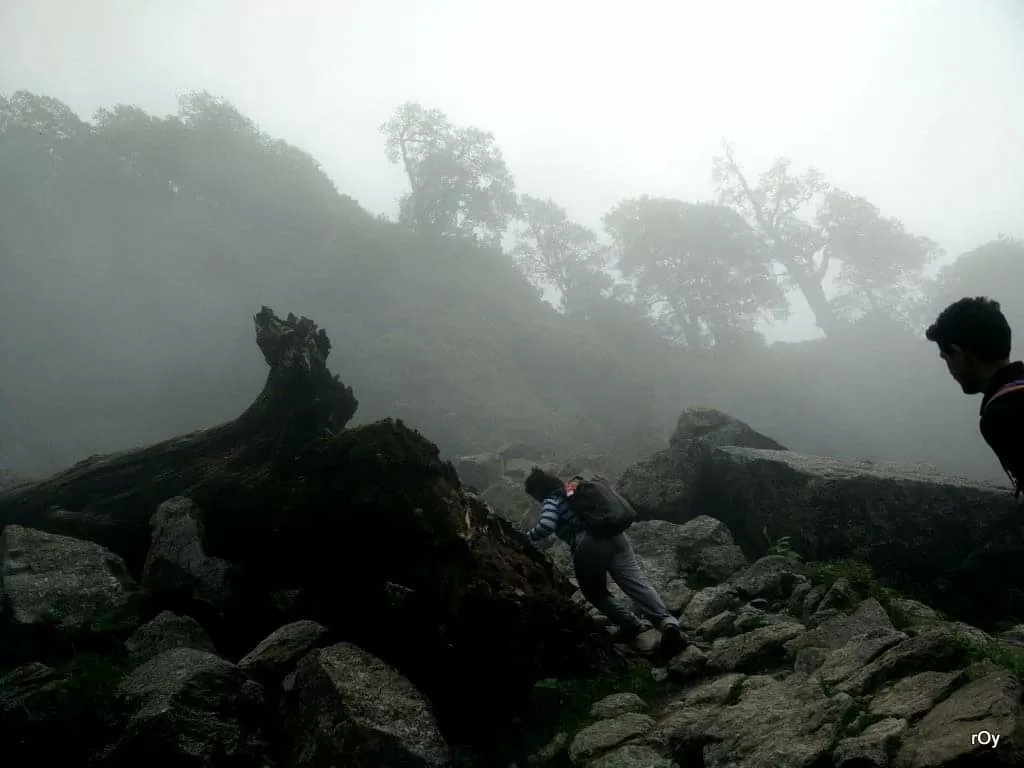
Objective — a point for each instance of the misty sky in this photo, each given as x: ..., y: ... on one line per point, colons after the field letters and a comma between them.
x: 918, y: 105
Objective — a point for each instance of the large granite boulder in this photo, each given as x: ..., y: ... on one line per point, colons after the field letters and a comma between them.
x: 717, y: 428
x: 922, y: 531
x: 347, y: 707
x: 60, y: 592
x: 665, y: 485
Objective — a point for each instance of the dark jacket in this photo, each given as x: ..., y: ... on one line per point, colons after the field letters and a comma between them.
x: 1002, y: 422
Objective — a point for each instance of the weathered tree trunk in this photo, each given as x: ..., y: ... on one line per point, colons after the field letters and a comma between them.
x: 365, y: 530
x: 110, y: 499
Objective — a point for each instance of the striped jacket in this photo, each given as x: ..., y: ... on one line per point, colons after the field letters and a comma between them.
x: 556, y: 517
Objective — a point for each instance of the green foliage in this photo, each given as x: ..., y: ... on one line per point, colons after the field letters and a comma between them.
x: 698, y: 265
x: 551, y: 249
x: 880, y: 265
x: 864, y: 581
x: 1004, y: 655
x: 459, y: 183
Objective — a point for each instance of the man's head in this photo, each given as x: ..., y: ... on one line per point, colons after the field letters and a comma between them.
x: 974, y: 340
x: 540, y: 484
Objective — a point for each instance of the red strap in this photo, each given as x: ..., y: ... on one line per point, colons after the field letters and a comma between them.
x: 1011, y: 386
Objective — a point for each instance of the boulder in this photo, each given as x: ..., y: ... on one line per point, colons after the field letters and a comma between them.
x: 164, y: 632
x: 347, y: 707
x: 61, y: 592
x: 949, y: 733
x: 605, y: 735
x: 876, y: 745
x: 915, y: 527
x: 761, y: 648
x: 279, y: 653
x: 763, y: 722
x: 189, y: 707
x: 177, y: 570
x: 664, y: 486
x: 714, y: 427
x: 617, y: 704
x: 935, y: 650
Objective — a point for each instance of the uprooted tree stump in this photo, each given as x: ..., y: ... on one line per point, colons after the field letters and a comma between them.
x: 110, y: 499
x: 365, y: 530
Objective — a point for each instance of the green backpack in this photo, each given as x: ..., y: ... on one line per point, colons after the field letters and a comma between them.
x: 603, y: 512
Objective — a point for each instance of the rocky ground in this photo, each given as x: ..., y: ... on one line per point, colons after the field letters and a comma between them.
x: 286, y: 592
x: 789, y: 666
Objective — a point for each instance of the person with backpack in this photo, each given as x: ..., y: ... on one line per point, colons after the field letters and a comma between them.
x: 973, y: 337
x: 592, y: 518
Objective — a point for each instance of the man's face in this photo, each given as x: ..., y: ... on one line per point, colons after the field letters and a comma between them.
x: 961, y: 367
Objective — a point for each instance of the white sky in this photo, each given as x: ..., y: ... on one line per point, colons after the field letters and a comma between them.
x: 918, y: 105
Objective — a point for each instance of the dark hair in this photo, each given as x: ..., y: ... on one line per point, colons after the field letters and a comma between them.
x: 540, y: 484
x: 976, y: 325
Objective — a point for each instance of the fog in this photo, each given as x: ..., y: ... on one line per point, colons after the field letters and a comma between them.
x: 128, y: 319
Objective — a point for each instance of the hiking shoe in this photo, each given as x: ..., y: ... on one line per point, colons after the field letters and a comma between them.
x: 672, y: 640
x: 626, y: 634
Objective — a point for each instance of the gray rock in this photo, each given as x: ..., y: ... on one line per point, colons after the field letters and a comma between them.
x: 663, y: 486
x: 915, y: 612
x: 945, y: 736
x: 788, y: 723
x: 843, y: 663
x: 177, y: 567
x: 699, y: 534
x: 839, y: 630
x: 347, y: 707
x: 914, y: 696
x: 279, y: 653
x: 759, y: 649
x: 771, y: 578
x: 166, y: 631
x: 603, y: 736
x: 840, y: 597
x: 905, y: 521
x: 749, y: 618
x: 710, y: 602
x: 795, y: 603
x: 189, y: 707
x: 714, y: 427
x: 715, y: 564
x: 713, y: 693
x: 812, y: 600
x: 875, y: 746
x: 809, y: 660
x: 689, y: 664
x: 935, y: 650
x: 618, y: 704
x: 633, y: 756
x: 61, y: 590
x: 719, y: 625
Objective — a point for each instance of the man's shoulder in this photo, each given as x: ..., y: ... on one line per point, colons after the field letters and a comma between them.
x: 1008, y: 402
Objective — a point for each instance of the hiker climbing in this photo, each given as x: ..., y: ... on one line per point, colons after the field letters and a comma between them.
x: 973, y: 337
x: 592, y: 518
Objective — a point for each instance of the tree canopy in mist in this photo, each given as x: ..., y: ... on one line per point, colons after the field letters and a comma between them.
x: 136, y: 247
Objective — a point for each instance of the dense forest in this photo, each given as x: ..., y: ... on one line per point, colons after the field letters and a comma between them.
x: 134, y: 250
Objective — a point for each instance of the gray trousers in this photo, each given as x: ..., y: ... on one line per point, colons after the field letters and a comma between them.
x: 597, y: 559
